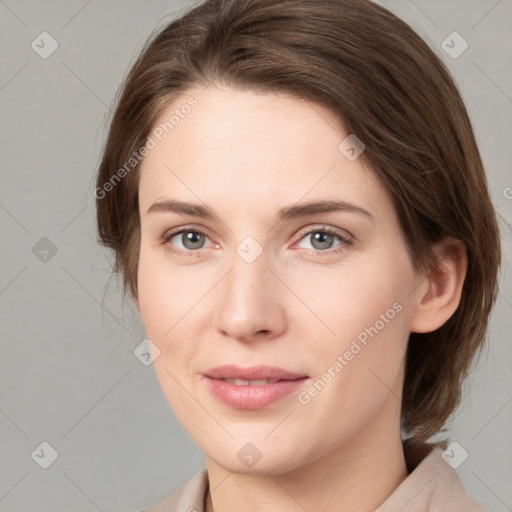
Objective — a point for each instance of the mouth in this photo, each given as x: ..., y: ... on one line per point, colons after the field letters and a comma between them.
x: 242, y: 382
x: 254, y: 387
x: 252, y: 373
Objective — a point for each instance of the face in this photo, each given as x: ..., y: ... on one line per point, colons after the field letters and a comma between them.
x: 317, y: 299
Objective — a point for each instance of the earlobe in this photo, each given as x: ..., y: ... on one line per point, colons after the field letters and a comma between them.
x: 440, y: 295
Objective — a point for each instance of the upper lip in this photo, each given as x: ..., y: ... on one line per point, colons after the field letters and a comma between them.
x: 252, y: 373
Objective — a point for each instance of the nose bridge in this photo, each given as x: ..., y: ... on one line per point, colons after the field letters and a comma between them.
x: 246, y: 280
x: 248, y: 260
x: 247, y: 302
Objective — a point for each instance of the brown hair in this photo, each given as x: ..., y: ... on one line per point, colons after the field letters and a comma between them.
x: 389, y: 89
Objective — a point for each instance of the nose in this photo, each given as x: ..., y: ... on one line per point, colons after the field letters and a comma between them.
x: 249, y: 301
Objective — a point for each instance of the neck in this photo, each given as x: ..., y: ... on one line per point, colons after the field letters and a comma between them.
x: 359, y: 474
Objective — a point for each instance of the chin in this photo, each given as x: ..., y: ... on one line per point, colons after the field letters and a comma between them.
x: 262, y: 467
x: 259, y: 457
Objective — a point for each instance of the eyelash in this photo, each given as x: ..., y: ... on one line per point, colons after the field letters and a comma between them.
x: 345, y: 241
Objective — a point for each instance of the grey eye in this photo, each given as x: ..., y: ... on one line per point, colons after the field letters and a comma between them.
x: 320, y: 240
x: 191, y: 239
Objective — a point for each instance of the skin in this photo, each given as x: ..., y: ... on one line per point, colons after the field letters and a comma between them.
x: 297, y: 306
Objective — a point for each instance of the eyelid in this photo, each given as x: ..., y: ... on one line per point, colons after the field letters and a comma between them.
x: 342, y: 233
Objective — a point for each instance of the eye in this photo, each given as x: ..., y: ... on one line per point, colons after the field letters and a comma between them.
x: 321, y: 239
x: 191, y: 239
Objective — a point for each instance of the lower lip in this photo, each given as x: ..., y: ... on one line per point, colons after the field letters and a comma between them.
x: 252, y: 397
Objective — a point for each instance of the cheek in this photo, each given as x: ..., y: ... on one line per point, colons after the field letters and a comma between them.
x: 164, y: 300
x: 152, y: 299
x: 171, y: 302
x: 345, y: 301
x: 359, y: 370
x: 362, y: 334
x: 165, y: 293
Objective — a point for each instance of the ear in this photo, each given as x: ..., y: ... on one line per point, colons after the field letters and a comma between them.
x: 438, y: 296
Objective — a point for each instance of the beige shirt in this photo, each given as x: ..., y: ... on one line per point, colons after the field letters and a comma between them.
x: 431, y: 486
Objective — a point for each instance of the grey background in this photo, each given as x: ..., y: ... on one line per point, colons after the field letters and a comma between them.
x: 68, y: 373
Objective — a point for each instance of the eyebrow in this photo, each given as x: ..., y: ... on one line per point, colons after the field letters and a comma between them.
x: 286, y: 213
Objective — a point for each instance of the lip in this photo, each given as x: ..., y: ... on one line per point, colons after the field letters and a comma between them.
x: 255, y: 396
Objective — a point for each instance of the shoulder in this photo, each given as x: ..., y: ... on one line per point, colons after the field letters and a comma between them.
x: 187, y: 498
x: 432, y: 484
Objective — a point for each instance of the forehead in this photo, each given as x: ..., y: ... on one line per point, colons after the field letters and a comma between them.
x: 253, y: 148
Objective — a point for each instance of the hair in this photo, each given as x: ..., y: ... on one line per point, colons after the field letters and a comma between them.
x: 388, y: 88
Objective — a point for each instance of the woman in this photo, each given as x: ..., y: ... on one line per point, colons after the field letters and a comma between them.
x: 299, y: 209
